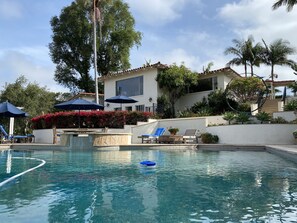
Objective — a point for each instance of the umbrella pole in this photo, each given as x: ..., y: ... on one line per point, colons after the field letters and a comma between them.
x: 79, y: 119
x: 11, y: 126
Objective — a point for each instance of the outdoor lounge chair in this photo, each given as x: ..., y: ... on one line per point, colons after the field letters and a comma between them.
x: 14, y: 138
x: 152, y: 137
x: 191, y: 136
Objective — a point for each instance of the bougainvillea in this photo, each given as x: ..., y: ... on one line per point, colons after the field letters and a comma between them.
x: 89, y: 119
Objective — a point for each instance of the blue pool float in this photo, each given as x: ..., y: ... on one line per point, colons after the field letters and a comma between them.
x: 148, y: 163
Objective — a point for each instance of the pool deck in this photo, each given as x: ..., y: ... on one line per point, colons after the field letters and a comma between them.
x: 286, y: 151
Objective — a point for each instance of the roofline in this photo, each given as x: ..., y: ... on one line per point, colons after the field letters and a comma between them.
x: 224, y: 69
x: 158, y: 65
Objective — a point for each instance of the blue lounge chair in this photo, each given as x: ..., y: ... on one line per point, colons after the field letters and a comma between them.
x: 153, y: 137
x: 14, y: 138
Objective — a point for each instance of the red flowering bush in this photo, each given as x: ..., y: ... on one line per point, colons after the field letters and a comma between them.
x: 89, y: 119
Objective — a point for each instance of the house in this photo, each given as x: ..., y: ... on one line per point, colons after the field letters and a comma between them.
x: 141, y: 85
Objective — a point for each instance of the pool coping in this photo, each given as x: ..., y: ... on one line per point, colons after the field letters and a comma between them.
x: 285, y: 151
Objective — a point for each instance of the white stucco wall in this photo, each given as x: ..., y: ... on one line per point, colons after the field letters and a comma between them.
x: 254, y: 134
x: 287, y: 115
x: 150, y: 89
x: 182, y: 123
x: 44, y: 136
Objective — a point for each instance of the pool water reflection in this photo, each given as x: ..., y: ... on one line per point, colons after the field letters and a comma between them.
x: 184, y: 187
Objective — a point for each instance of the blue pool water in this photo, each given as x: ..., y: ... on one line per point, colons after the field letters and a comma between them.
x: 113, y: 187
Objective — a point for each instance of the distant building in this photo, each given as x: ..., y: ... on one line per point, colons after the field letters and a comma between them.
x: 141, y: 85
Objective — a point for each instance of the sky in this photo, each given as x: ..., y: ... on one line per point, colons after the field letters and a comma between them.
x: 195, y: 32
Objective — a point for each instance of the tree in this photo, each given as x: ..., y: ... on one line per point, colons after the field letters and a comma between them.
x: 72, y: 40
x: 175, y: 81
x: 277, y: 54
x: 246, y: 54
x: 255, y: 52
x: 35, y: 100
x: 246, y: 91
x: 289, y: 3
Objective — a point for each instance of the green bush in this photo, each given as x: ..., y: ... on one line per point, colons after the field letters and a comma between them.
x: 263, y: 117
x: 278, y: 120
x: 92, y: 119
x: 229, y: 116
x: 242, y: 117
x: 209, y: 138
x: 291, y: 106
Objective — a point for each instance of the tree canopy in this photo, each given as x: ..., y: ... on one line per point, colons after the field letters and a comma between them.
x: 175, y: 81
x: 246, y: 91
x: 245, y: 53
x: 34, y: 100
x: 289, y: 3
x: 277, y: 53
x: 71, y: 48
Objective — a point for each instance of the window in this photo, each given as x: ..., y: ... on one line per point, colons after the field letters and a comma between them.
x: 130, y: 87
x: 205, y: 85
x: 139, y: 108
x: 128, y: 108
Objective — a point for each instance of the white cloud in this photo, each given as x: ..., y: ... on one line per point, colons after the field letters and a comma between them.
x: 10, y: 9
x: 15, y: 63
x: 156, y: 12
x: 255, y: 17
x: 179, y: 56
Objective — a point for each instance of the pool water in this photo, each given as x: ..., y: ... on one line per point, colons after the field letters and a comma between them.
x: 112, y: 186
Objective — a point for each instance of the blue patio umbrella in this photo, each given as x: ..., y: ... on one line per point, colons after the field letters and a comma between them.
x: 9, y: 110
x: 79, y: 104
x: 121, y: 99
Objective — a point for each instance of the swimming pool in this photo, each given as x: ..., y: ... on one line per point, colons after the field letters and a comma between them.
x: 112, y: 186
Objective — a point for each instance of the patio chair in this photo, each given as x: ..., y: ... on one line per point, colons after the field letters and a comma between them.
x: 191, y: 136
x: 152, y: 137
x: 14, y: 138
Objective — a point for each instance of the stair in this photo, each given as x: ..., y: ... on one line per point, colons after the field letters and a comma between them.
x: 270, y: 106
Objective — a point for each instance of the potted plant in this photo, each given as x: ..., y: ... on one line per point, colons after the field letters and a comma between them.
x: 173, y: 131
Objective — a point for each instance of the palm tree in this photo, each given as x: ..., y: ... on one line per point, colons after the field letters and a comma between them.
x: 247, y: 54
x: 239, y: 50
x: 277, y: 54
x: 254, y: 53
x: 289, y: 3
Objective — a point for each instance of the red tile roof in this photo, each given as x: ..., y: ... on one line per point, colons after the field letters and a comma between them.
x: 225, y: 69
x: 145, y: 67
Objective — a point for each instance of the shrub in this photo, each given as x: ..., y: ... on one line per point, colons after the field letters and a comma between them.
x: 291, y: 106
x: 209, y: 138
x: 295, y: 134
x: 263, y: 117
x: 92, y: 119
x: 229, y: 116
x: 278, y: 120
x: 242, y: 117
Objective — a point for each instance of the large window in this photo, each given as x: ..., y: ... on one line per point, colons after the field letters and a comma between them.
x: 207, y: 84
x: 139, y: 108
x: 130, y: 87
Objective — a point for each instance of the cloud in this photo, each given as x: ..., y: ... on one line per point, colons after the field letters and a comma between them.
x: 254, y: 17
x: 10, y: 9
x: 156, y: 12
x: 15, y: 63
x: 263, y: 22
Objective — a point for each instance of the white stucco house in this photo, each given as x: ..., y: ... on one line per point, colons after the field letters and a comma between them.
x: 141, y: 85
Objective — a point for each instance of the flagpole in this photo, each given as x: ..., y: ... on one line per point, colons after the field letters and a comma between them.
x: 95, y: 53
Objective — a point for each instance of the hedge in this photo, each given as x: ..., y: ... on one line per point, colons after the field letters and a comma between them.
x: 89, y: 119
